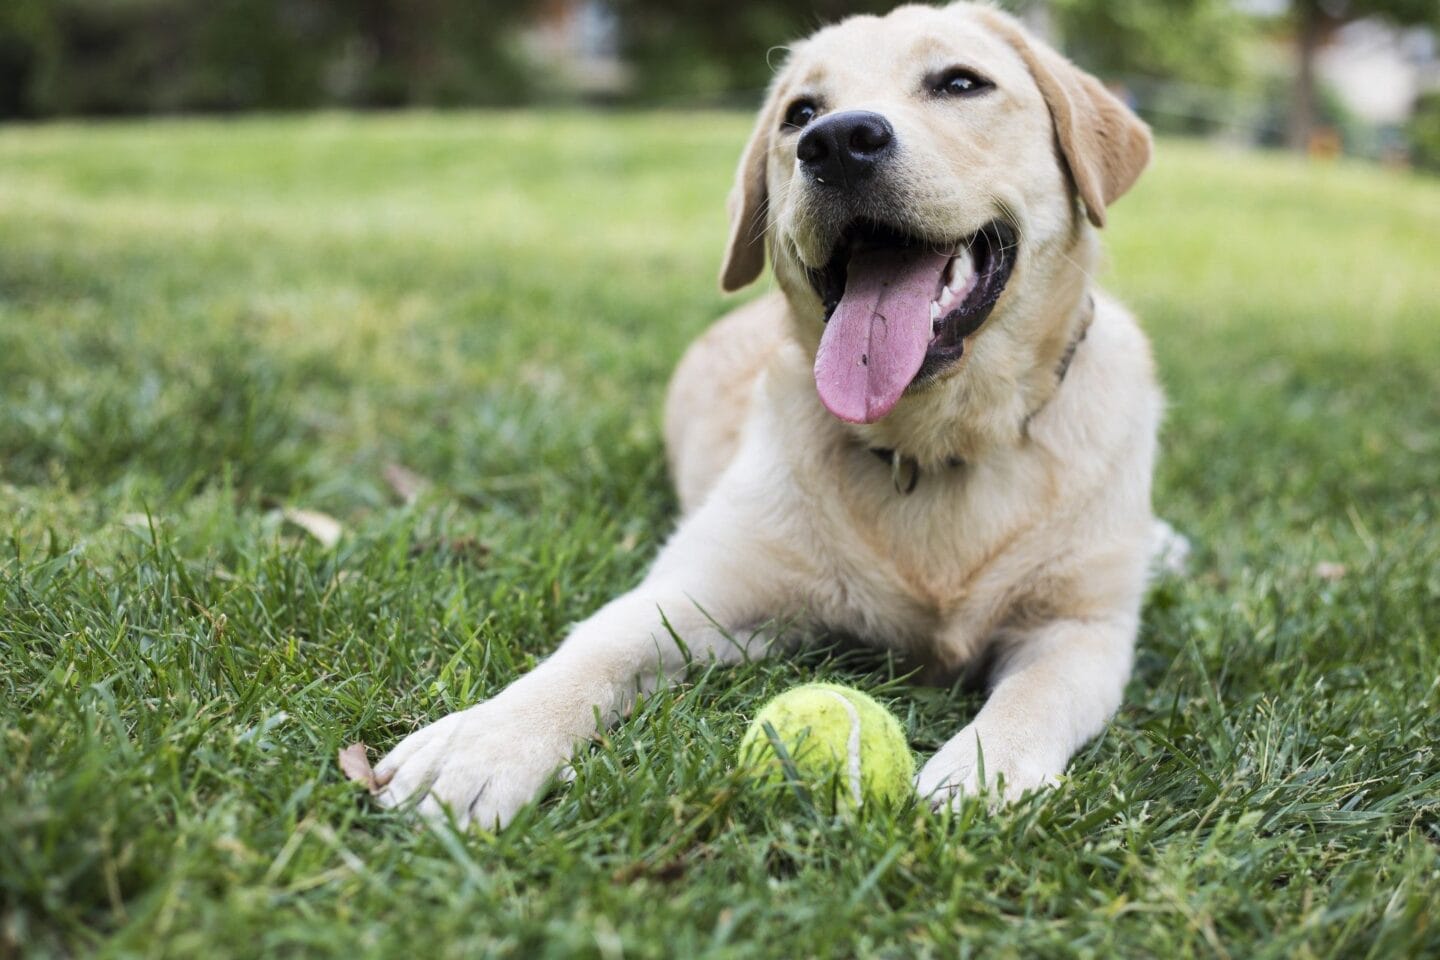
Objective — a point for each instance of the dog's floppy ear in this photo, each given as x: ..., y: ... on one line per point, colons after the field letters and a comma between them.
x: 749, y: 199
x: 1104, y: 144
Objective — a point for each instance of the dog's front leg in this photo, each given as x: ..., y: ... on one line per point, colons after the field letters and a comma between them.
x: 712, y: 585
x: 1055, y: 687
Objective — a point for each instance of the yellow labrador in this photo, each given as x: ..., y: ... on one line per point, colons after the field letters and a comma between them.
x: 936, y: 435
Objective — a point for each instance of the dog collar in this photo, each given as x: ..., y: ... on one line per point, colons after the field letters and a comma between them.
x: 1066, y: 358
x: 1069, y: 354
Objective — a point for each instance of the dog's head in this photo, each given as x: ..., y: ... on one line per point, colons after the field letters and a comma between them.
x: 923, y: 179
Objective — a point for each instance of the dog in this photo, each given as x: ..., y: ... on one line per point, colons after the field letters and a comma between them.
x: 937, y: 434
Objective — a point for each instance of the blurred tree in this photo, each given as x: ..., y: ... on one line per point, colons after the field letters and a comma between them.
x: 1424, y: 133
x: 132, y: 56
x: 27, y: 36
x: 433, y: 51
x: 1314, y: 22
x: 685, y: 47
x: 690, y: 48
x: 1192, y: 40
x: 126, y: 56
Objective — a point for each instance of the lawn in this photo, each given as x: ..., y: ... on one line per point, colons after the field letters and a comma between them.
x: 204, y: 324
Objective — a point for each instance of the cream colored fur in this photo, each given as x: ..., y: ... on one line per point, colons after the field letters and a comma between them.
x: 1032, y: 554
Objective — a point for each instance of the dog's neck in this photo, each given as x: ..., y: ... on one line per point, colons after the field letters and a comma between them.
x: 986, y: 408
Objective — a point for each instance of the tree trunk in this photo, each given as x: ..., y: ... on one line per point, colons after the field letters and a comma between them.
x: 1309, y: 30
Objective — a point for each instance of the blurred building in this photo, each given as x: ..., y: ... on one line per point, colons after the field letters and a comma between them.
x: 1379, y: 71
x: 580, y: 41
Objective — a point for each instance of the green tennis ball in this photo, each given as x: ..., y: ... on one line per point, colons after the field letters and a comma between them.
x: 835, y: 741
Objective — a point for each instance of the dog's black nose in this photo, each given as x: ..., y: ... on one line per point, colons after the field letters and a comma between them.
x: 844, y: 148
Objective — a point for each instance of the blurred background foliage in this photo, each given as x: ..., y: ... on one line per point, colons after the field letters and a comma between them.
x: 1198, y: 41
x: 1244, y: 69
x: 712, y: 48
x: 103, y: 57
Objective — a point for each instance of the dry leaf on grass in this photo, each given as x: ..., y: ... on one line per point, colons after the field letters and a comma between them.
x: 404, y: 482
x: 464, y: 549
x: 356, y: 766
x: 323, y: 527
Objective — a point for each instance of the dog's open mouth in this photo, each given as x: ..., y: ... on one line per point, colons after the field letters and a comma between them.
x: 898, y: 309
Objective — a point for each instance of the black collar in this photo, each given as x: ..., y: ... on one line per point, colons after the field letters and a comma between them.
x: 1066, y: 358
x: 902, y: 466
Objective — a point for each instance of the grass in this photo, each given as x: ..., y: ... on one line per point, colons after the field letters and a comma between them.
x: 202, y: 323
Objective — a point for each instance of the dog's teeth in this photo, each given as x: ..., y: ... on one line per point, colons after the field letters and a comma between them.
x: 961, y: 266
x: 947, y: 297
x: 934, y: 312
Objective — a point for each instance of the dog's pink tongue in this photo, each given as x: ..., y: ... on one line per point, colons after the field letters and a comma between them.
x: 877, y: 337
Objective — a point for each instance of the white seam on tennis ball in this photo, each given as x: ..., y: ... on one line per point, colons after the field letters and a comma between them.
x: 852, y: 746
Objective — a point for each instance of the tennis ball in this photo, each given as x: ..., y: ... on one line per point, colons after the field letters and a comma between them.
x: 834, y: 740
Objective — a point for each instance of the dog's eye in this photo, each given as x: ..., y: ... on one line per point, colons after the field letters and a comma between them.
x: 800, y: 113
x: 960, y: 82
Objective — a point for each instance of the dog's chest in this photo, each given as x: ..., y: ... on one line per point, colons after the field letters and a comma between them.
x: 910, y: 560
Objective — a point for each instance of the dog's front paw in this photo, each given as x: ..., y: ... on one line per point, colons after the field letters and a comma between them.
x: 481, y: 765
x: 967, y: 767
